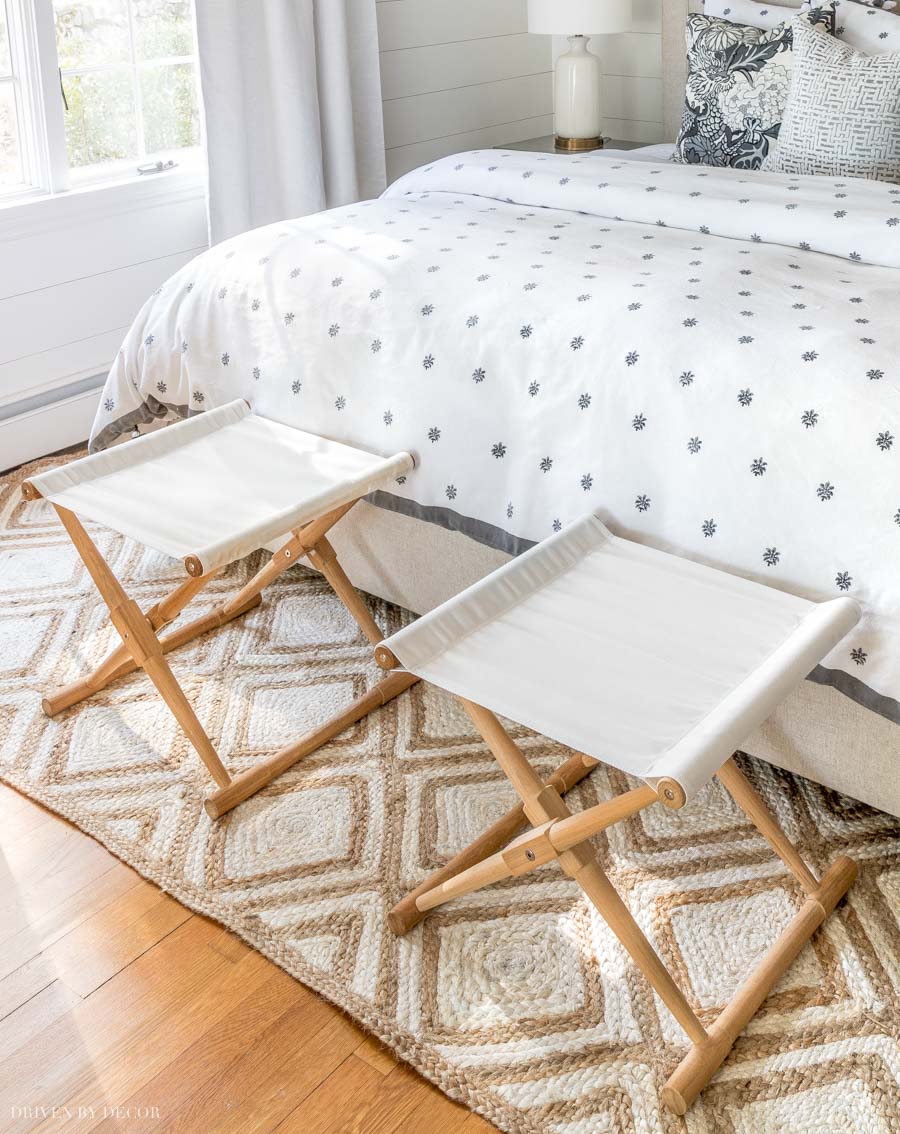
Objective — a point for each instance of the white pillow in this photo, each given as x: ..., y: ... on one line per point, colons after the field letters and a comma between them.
x: 873, y: 30
x: 749, y: 12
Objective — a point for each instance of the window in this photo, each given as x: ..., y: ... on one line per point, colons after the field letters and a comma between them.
x: 12, y: 171
x: 93, y: 88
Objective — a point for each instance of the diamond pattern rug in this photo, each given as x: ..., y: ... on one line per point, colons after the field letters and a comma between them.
x: 517, y: 1000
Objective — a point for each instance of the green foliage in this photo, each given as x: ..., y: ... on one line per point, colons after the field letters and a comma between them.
x: 171, y: 115
x: 101, y: 124
x: 102, y: 116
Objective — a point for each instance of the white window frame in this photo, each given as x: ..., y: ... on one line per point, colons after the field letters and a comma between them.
x: 27, y: 85
x: 41, y: 119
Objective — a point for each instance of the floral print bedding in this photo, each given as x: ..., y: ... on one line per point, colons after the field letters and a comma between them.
x: 737, y: 88
x: 708, y: 359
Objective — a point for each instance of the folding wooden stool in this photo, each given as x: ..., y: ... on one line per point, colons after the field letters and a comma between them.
x: 210, y: 490
x: 651, y: 663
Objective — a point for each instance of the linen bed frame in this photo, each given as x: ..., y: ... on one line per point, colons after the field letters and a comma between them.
x: 818, y: 732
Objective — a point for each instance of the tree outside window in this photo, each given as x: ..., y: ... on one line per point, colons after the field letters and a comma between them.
x: 94, y: 88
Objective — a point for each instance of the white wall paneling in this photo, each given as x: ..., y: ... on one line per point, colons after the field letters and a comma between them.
x: 444, y: 113
x: 47, y: 429
x: 459, y: 76
x: 74, y: 271
x: 420, y: 23
x: 75, y: 310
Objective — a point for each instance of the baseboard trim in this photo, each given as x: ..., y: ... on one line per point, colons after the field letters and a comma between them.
x: 48, y: 428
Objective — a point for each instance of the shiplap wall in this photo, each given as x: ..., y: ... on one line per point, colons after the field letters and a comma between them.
x: 70, y: 286
x: 459, y: 74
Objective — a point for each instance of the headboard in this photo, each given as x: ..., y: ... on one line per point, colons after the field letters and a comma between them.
x: 674, y: 65
x: 674, y: 61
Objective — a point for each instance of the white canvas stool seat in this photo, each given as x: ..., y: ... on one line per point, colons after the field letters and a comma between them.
x: 211, y: 490
x: 654, y: 664
x: 217, y: 486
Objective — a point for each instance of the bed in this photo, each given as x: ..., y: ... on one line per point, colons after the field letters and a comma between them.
x: 705, y: 358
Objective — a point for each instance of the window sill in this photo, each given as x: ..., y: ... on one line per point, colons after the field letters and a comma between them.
x: 33, y: 214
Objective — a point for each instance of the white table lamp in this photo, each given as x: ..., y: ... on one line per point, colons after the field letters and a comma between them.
x: 577, y: 98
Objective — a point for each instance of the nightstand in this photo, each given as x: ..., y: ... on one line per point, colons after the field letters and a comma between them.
x: 547, y: 145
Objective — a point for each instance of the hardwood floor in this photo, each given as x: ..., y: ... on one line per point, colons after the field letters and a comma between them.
x: 120, y: 1010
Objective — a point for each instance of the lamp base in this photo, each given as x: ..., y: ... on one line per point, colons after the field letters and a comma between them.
x: 578, y: 145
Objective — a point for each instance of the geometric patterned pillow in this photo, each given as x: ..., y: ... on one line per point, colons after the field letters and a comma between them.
x: 843, y: 115
x: 737, y: 88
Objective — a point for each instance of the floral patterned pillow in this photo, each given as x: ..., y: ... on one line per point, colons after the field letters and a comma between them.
x: 737, y: 88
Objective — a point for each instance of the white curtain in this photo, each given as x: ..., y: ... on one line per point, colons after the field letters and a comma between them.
x: 292, y: 105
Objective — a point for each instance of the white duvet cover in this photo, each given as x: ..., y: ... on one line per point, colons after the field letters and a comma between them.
x: 709, y: 359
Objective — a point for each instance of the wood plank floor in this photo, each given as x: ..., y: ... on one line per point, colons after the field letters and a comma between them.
x: 120, y: 1010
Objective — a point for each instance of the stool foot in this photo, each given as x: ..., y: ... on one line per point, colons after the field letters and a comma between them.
x: 704, y: 1058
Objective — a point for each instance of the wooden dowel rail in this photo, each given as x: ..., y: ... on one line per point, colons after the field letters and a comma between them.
x: 242, y: 786
x: 106, y: 674
x: 566, y: 833
x: 386, y: 658
x: 537, y: 847
x: 701, y: 1062
x: 406, y: 914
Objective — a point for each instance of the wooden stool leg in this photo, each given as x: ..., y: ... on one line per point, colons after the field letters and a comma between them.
x: 704, y: 1059
x: 555, y: 830
x: 406, y: 914
x: 104, y: 675
x: 286, y: 556
x: 580, y: 863
x: 161, y: 675
x: 324, y: 558
x: 620, y: 920
x: 119, y: 662
x: 756, y: 811
x: 142, y: 643
x: 262, y: 773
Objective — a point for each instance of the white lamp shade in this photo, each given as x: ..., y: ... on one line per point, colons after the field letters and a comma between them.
x: 579, y: 17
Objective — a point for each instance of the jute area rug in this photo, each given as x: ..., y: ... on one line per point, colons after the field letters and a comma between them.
x: 517, y: 1000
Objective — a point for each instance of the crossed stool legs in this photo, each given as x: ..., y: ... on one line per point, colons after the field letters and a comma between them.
x: 558, y: 835
x: 142, y: 647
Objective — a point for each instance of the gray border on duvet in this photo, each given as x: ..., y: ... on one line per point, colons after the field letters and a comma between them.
x: 151, y: 409
x: 500, y: 540
x: 488, y: 534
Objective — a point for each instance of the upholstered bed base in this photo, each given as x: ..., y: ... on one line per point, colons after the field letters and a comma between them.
x: 818, y: 732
